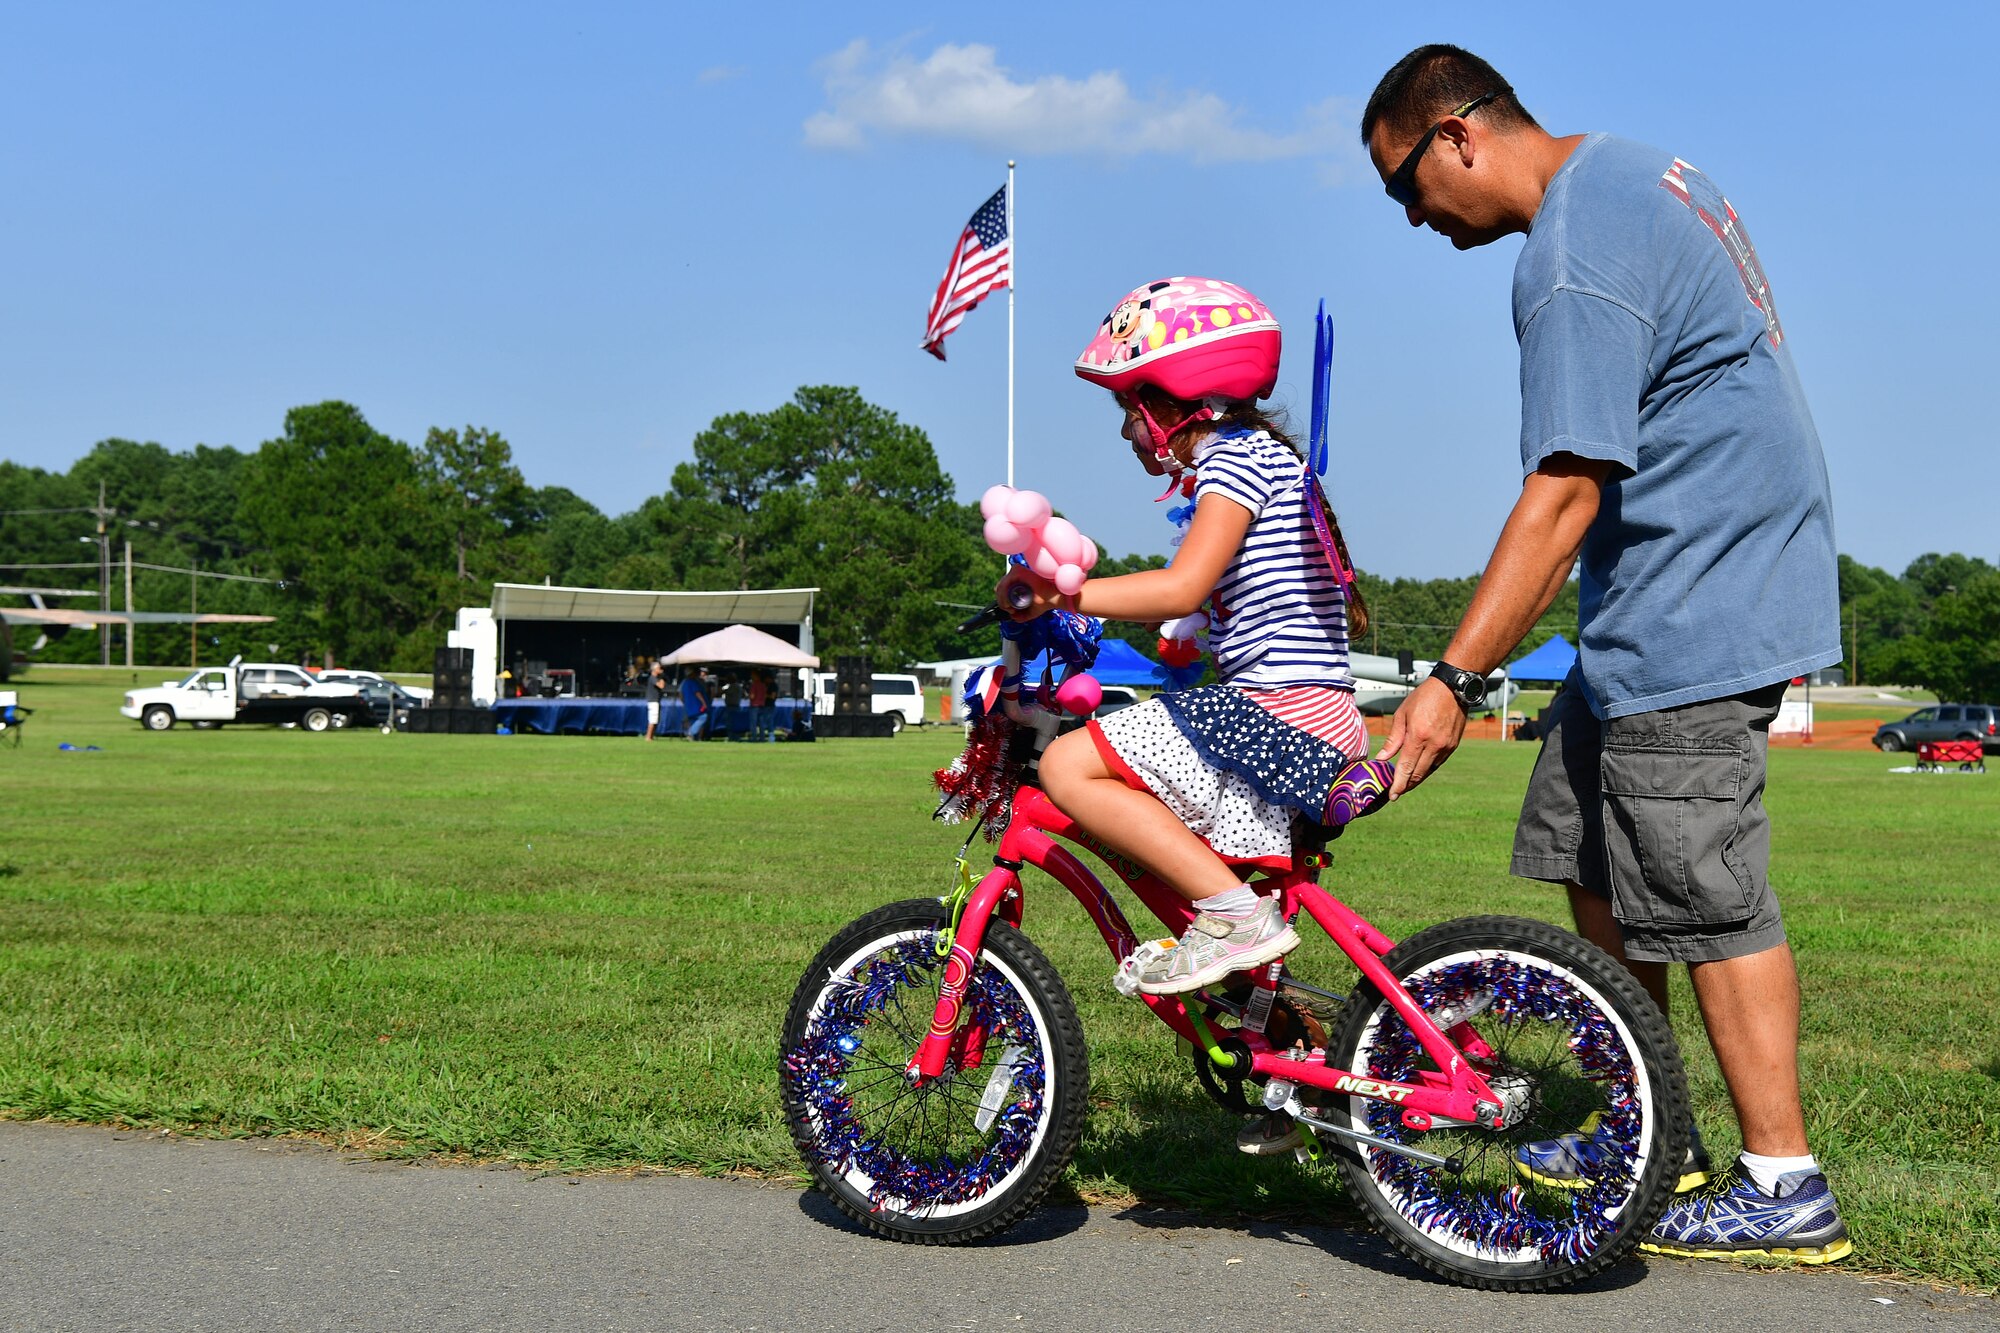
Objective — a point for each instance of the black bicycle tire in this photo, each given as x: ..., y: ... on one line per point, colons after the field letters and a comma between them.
x: 1068, y: 1070
x: 1652, y: 1037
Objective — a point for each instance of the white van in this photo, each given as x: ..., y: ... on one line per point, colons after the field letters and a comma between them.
x: 901, y: 697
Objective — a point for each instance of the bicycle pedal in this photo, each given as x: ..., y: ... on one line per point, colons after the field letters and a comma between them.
x: 1126, y: 979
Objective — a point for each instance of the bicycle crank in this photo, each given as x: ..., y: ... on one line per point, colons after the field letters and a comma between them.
x: 1282, y: 1095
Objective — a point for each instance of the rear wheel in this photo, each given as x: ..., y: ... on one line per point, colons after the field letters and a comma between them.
x: 895, y: 724
x: 316, y: 719
x: 1571, y: 1036
x: 967, y: 1154
x: 157, y: 717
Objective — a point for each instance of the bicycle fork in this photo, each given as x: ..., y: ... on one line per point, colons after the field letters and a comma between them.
x: 999, y: 889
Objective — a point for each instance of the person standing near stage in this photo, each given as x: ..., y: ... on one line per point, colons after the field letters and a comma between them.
x: 656, y: 687
x: 694, y: 704
x: 760, y: 707
x: 1665, y: 440
x: 732, y: 696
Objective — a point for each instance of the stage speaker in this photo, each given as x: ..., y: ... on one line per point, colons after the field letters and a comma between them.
x: 849, y: 726
x: 420, y: 719
x: 853, y: 686
x: 452, y: 659
x: 474, y: 721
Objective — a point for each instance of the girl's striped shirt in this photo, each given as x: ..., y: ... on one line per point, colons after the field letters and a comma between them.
x: 1277, y: 618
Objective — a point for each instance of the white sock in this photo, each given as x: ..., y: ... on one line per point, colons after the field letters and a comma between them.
x: 1765, y: 1171
x: 1239, y: 901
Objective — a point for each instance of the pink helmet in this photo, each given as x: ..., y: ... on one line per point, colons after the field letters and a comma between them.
x: 1191, y: 338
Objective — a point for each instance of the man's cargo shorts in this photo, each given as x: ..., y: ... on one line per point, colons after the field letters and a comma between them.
x: 1663, y: 814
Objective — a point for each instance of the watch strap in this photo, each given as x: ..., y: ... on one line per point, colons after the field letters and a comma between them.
x: 1461, y: 683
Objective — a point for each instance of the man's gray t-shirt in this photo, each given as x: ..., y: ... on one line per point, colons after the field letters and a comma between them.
x: 1649, y: 339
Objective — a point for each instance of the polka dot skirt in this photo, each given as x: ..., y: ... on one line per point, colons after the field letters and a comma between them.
x: 1219, y: 806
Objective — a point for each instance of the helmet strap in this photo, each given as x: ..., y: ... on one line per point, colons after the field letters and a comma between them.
x: 1163, y: 447
x: 1163, y: 439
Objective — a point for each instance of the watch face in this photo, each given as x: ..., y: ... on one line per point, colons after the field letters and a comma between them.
x: 1469, y: 688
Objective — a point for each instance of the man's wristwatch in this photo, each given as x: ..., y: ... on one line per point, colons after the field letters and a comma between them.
x: 1465, y: 686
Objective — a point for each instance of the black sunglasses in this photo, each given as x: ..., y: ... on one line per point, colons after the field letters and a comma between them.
x: 1402, y: 186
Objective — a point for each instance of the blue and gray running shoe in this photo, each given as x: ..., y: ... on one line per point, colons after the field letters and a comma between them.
x: 1732, y: 1219
x: 1563, y: 1163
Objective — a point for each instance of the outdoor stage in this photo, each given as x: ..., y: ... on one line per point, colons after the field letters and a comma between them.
x: 622, y: 717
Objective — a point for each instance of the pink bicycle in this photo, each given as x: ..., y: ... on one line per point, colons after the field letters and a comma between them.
x: 936, y: 1079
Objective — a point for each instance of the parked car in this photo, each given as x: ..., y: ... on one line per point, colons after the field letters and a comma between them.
x: 1115, y: 698
x: 1943, y: 722
x: 389, y: 704
x: 358, y: 679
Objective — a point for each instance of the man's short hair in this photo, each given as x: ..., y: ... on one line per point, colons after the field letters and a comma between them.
x: 1426, y: 85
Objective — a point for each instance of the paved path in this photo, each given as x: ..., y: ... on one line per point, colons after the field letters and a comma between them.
x: 121, y: 1230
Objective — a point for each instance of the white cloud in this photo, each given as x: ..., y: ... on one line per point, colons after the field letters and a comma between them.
x: 964, y: 93
x: 720, y: 74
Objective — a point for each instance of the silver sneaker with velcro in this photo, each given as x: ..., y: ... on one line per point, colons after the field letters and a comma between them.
x: 1214, y: 946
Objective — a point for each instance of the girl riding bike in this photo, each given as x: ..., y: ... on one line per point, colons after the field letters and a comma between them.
x: 1185, y: 779
x: 933, y: 1065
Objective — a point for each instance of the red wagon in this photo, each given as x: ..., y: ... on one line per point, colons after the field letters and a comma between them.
x: 1968, y: 755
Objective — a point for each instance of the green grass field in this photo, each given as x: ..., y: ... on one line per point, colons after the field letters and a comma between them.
x: 577, y: 951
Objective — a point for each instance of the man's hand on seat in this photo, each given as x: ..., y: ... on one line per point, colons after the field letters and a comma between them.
x: 1427, y: 728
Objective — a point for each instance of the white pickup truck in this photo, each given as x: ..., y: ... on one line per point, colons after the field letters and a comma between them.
x: 268, y: 692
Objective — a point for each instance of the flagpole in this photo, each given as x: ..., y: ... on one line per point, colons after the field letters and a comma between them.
x: 1013, y: 271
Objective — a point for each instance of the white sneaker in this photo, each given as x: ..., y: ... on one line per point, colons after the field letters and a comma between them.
x: 1214, y: 946
x: 1269, y: 1135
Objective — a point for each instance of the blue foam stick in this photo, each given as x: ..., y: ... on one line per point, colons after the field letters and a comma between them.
x: 1322, y: 382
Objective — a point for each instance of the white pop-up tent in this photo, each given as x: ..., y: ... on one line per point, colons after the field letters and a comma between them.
x: 740, y: 645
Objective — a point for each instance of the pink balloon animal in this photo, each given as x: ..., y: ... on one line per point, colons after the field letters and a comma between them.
x: 1021, y: 523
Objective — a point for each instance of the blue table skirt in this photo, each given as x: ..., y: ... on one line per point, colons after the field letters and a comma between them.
x: 623, y: 717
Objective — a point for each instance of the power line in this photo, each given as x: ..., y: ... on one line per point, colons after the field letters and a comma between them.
x: 140, y: 564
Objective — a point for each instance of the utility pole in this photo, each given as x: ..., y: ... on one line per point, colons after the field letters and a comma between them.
x: 129, y: 627
x: 103, y: 576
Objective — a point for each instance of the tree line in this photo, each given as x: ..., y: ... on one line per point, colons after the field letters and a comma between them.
x: 367, y: 546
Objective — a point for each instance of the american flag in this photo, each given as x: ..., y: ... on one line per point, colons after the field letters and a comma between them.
x: 981, y: 262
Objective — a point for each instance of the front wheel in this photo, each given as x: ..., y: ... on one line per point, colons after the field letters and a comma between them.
x: 969, y: 1153
x: 1890, y: 742
x: 1574, y: 1045
x: 157, y: 717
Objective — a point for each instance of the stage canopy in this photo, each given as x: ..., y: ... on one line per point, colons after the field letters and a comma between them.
x: 536, y: 601
x: 597, y: 641
x: 1551, y: 661
x: 740, y: 645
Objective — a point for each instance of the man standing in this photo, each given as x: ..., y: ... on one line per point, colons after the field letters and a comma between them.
x: 1664, y: 439
x: 694, y: 703
x: 656, y: 686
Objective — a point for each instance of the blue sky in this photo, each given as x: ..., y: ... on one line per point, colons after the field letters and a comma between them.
x: 594, y: 228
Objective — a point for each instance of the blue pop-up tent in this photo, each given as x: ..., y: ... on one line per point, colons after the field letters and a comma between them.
x: 1551, y: 661
x: 1118, y: 663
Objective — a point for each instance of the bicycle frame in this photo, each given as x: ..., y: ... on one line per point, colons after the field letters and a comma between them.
x: 1458, y: 1093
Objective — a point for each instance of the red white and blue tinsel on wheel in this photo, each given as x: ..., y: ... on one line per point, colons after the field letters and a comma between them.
x: 1502, y: 1221
x: 856, y: 1011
